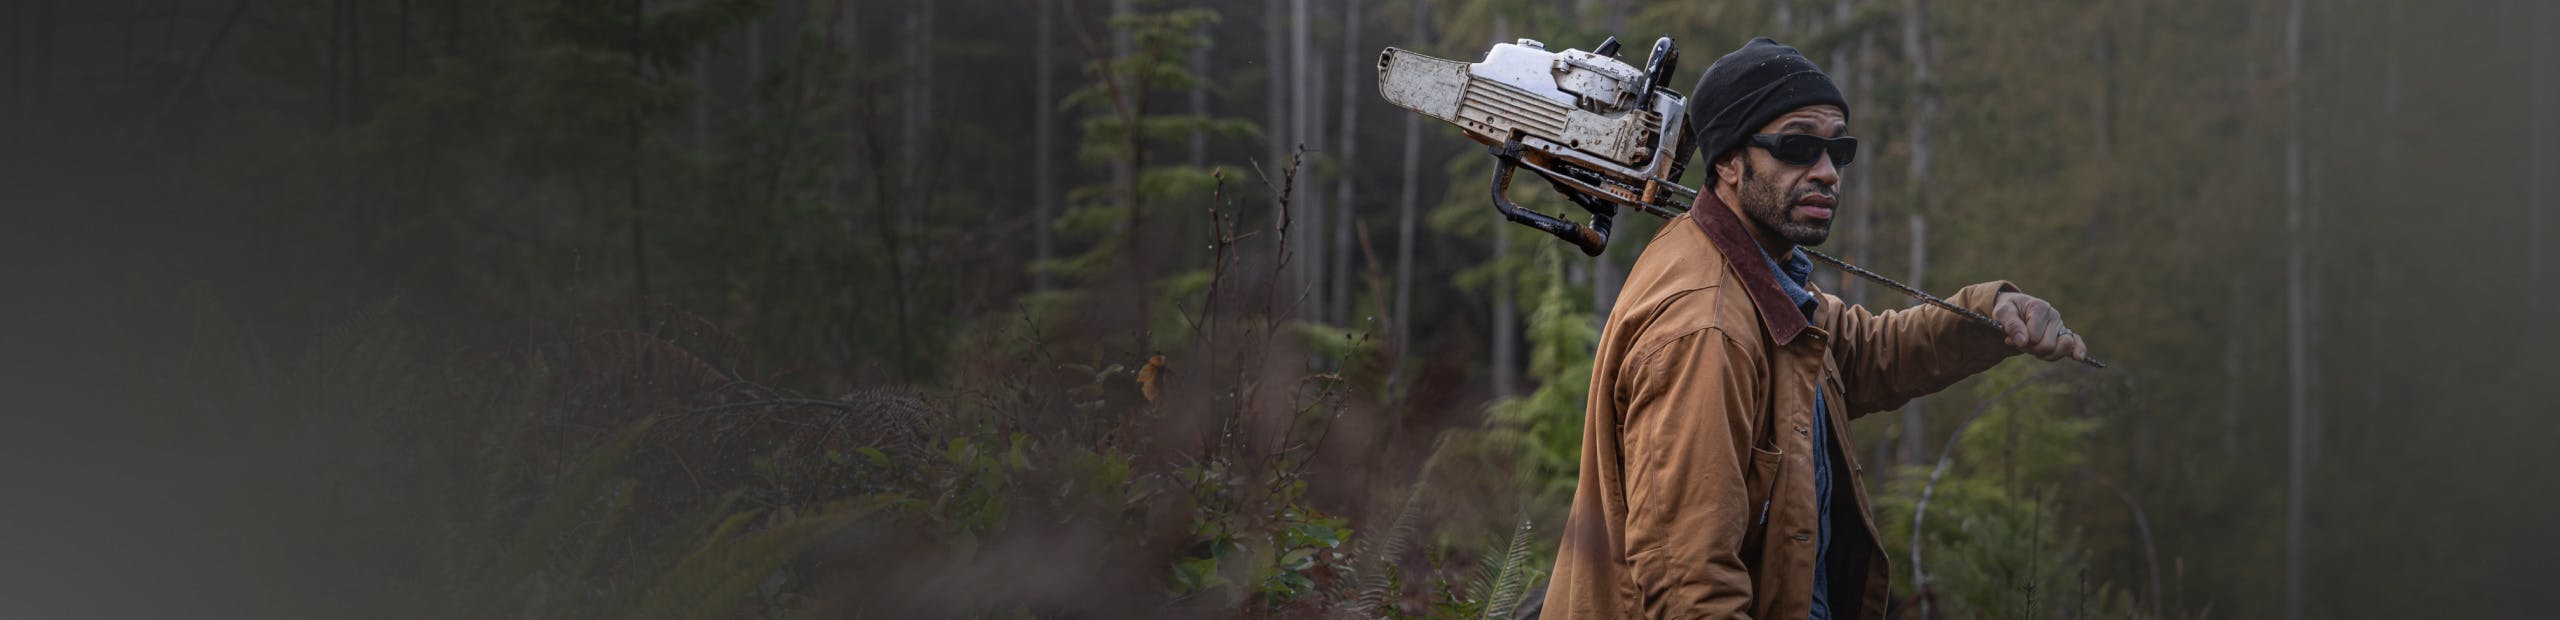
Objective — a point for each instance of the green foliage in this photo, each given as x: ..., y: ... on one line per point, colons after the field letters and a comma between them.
x: 1503, y: 579
x: 1997, y: 541
x: 496, y: 163
x: 1547, y: 424
x: 1120, y: 129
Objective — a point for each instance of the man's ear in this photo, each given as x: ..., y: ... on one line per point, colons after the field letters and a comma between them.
x: 1728, y: 167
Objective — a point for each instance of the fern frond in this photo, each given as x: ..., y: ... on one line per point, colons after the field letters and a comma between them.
x: 1376, y: 583
x: 559, y: 515
x: 1507, y: 589
x: 710, y: 583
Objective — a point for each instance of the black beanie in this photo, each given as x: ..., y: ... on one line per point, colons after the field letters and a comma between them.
x: 1750, y: 87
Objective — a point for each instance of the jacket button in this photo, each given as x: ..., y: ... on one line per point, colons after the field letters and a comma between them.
x: 1801, y: 430
x: 1801, y: 537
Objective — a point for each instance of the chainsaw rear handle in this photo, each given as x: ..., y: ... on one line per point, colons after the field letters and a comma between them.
x: 1593, y: 239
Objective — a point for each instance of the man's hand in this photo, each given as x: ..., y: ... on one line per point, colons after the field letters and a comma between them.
x: 2035, y: 327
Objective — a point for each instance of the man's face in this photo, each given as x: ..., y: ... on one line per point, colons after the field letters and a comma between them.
x: 1794, y: 202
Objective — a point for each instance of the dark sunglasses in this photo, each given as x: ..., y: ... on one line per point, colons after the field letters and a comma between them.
x: 1798, y: 149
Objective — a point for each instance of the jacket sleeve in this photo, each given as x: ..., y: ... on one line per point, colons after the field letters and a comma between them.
x: 1890, y: 358
x: 1686, y: 440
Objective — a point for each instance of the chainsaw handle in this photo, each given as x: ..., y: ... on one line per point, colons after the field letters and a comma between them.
x: 1593, y: 239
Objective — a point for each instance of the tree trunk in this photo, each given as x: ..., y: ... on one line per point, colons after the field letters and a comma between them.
x: 754, y: 61
x: 1853, y: 243
x: 1137, y: 269
x: 919, y: 103
x: 1407, y: 199
x: 2296, y: 484
x: 1506, y: 311
x: 331, y: 86
x: 1915, y: 417
x: 639, y: 224
x: 1308, y: 121
x: 1923, y: 106
x: 2233, y: 366
x: 703, y: 96
x: 1276, y: 131
x: 1124, y: 169
x: 2540, y: 201
x: 1346, y: 139
x: 1200, y: 93
x: 1044, y: 140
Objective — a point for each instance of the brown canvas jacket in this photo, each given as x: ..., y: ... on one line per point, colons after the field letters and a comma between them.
x: 1696, y: 495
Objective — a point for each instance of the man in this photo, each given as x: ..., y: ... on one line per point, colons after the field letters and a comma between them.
x: 1718, y: 479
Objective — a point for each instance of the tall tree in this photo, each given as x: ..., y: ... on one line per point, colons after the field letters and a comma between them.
x: 1347, y: 148
x: 632, y: 136
x: 1278, y: 135
x: 2539, y: 252
x: 1306, y: 123
x: 1044, y: 142
x: 1407, y: 198
x: 1200, y: 91
x: 1506, y: 309
x: 2296, y: 330
x: 1919, y: 110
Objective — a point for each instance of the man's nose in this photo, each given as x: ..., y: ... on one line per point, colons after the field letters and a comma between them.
x: 1823, y: 171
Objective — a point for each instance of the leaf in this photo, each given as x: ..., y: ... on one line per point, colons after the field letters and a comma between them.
x: 1151, y: 376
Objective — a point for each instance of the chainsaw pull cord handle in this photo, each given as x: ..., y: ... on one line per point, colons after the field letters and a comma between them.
x: 1593, y: 239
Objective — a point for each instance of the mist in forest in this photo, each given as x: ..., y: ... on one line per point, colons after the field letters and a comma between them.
x: 900, y: 308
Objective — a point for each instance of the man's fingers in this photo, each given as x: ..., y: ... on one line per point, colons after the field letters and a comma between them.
x: 2046, y: 327
x: 2079, y: 347
x: 2005, y: 313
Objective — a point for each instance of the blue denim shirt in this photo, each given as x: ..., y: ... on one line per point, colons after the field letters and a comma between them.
x: 1799, y: 273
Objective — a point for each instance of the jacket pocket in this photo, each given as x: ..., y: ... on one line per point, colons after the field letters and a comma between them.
x: 1760, y: 486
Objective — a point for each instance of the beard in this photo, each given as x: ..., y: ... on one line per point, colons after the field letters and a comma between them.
x: 1772, y: 207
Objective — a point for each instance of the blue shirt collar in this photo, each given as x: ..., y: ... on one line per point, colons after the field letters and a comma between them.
x: 1799, y: 278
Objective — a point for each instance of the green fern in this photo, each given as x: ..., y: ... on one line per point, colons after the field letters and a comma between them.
x: 729, y: 565
x: 574, y: 503
x: 1511, y: 577
x: 1372, y: 573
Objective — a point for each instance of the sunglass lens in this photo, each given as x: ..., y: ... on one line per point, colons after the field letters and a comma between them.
x: 1798, y: 149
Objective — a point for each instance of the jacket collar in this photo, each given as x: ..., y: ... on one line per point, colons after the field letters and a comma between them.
x: 1778, y: 313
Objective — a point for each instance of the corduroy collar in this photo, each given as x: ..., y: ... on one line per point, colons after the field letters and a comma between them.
x: 1778, y: 313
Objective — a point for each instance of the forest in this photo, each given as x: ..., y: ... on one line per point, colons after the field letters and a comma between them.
x: 1155, y: 309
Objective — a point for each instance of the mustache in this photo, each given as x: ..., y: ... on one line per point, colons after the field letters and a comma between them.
x: 1826, y: 190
